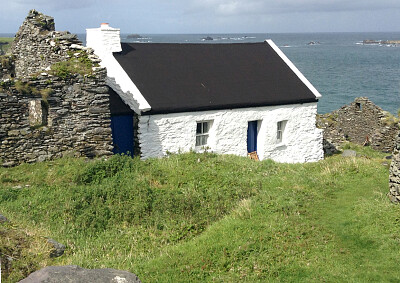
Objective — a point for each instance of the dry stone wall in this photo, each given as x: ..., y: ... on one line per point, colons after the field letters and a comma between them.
x: 394, y: 180
x: 76, y: 120
x: 37, y: 45
x: 361, y: 122
x: 44, y: 115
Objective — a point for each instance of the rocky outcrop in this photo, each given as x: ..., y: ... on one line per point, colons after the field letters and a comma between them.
x: 394, y: 179
x: 361, y: 122
x: 56, y: 102
x: 389, y: 42
x: 73, y: 273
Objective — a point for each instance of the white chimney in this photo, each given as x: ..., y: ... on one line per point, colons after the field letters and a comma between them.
x: 104, y: 40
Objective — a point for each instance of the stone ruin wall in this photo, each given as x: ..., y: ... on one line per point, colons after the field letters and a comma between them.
x: 356, y: 122
x: 394, y: 179
x: 37, y: 45
x: 69, y: 116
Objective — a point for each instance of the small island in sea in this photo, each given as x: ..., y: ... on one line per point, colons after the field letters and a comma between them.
x: 382, y: 42
x: 134, y: 36
x: 207, y: 38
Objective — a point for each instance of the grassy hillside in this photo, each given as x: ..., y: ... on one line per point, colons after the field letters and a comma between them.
x: 206, y: 217
x: 5, y: 43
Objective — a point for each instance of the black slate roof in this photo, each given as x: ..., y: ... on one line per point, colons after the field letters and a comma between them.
x: 195, y: 77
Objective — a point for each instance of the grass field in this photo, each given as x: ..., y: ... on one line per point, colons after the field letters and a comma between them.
x: 206, y: 218
x: 5, y: 43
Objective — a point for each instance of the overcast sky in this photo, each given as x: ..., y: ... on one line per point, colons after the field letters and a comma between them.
x: 209, y: 16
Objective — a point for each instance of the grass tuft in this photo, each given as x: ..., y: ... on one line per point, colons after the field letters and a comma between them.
x: 78, y: 63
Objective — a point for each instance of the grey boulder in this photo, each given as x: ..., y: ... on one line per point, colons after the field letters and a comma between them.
x: 76, y: 274
x: 58, y: 248
x: 349, y: 153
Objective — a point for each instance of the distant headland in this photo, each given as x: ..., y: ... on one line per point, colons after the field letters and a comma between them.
x: 383, y: 42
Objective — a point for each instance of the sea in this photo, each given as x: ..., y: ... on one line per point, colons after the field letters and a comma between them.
x: 339, y: 65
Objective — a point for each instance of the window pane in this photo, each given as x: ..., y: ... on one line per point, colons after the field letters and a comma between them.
x: 205, y: 127
x: 198, y: 129
x: 204, y: 140
x: 198, y: 140
x: 279, y: 125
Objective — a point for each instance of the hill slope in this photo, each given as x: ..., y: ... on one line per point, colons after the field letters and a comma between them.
x: 205, y: 217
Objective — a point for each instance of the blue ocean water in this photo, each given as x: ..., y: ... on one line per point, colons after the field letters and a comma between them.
x: 338, y: 65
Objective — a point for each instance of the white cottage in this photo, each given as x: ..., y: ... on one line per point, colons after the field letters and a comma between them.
x: 228, y: 98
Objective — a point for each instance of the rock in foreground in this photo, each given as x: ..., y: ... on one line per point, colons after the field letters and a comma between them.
x: 73, y: 273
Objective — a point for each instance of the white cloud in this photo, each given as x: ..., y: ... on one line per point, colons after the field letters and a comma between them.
x: 161, y: 16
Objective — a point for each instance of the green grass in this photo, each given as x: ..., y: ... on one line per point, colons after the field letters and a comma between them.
x: 5, y: 43
x: 206, y: 217
x: 78, y: 63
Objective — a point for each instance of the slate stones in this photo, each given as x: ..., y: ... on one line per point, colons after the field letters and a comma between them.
x: 360, y: 122
x: 394, y: 175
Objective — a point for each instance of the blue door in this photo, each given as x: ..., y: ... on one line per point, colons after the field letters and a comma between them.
x: 252, y: 136
x: 122, y: 134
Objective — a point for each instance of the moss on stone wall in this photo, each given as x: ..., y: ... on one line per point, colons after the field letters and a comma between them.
x: 78, y: 63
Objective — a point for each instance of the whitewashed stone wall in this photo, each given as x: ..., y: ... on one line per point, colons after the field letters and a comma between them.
x: 302, y: 141
x: 104, y: 41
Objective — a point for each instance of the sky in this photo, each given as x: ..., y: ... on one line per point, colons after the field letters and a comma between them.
x: 210, y: 16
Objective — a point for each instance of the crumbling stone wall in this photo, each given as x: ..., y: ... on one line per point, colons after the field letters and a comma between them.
x: 44, y: 116
x: 37, y: 45
x: 394, y: 179
x: 361, y: 122
x: 77, y: 122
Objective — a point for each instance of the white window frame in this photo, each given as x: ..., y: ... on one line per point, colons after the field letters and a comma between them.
x: 203, y: 133
x: 280, y: 129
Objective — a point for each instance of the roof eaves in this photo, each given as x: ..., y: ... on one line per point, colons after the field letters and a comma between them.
x: 226, y: 107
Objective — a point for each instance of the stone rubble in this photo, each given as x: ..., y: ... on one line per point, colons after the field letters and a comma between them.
x: 394, y: 179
